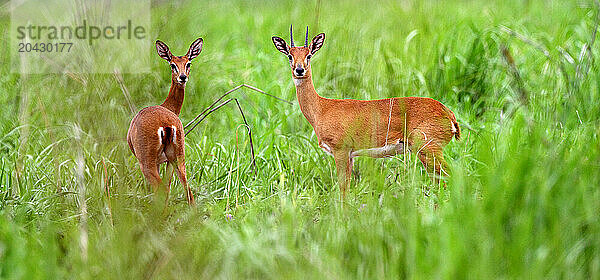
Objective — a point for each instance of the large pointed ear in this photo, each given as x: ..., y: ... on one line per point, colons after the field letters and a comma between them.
x: 163, y: 51
x: 317, y: 43
x: 281, y: 45
x: 195, y: 49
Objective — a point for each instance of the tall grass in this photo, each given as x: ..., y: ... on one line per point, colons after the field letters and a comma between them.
x: 522, y: 202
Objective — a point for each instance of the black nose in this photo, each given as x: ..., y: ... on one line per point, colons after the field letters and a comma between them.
x: 183, y: 77
x: 299, y: 71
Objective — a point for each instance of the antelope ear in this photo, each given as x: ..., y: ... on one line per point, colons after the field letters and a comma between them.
x: 281, y: 45
x: 195, y: 49
x: 317, y: 43
x: 163, y: 51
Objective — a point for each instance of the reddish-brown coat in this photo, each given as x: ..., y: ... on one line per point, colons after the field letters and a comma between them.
x: 150, y: 134
x: 361, y: 124
x: 344, y: 127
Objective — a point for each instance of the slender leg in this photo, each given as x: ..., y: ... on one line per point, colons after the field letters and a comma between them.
x: 155, y: 187
x: 343, y: 164
x: 433, y: 159
x: 183, y: 179
x: 167, y: 184
x: 151, y: 174
x: 429, y: 152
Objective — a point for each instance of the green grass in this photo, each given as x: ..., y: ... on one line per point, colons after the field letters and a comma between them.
x: 523, y: 200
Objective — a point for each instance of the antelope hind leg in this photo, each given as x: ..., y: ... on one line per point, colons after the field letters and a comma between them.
x: 430, y: 153
x: 167, y: 183
x: 183, y: 179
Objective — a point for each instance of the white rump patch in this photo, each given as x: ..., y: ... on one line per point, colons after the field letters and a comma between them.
x: 174, y: 133
x: 161, y: 134
x: 454, y: 130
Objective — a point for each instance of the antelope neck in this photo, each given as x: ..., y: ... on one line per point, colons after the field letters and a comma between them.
x: 308, y: 99
x: 175, y: 98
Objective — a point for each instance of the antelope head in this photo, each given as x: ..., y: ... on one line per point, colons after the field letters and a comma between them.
x: 299, y: 56
x: 180, y: 65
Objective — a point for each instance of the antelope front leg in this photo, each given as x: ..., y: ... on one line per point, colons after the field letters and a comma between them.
x: 343, y: 164
x: 183, y: 179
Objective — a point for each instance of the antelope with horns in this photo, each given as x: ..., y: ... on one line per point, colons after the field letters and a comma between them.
x: 155, y: 134
x: 346, y: 128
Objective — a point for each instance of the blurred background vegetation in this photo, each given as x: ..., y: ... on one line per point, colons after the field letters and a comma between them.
x: 522, y: 202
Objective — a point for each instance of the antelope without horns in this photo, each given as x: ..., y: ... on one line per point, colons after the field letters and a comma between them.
x: 155, y: 134
x: 346, y: 128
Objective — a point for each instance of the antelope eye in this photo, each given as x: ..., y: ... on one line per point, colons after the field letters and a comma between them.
x: 308, y: 57
x: 188, y: 65
x: 173, y: 67
x: 290, y: 56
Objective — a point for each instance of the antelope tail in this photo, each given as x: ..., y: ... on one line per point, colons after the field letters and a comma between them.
x: 454, y: 123
x: 455, y: 129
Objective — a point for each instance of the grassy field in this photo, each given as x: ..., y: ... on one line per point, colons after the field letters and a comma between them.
x: 523, y: 201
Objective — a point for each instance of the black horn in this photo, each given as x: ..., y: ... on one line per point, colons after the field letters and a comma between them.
x: 306, y: 39
x: 291, y: 36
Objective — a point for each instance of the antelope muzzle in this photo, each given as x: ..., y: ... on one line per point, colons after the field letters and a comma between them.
x: 299, y: 71
x: 182, y: 78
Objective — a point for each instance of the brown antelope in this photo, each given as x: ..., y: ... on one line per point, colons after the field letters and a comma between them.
x: 346, y: 128
x: 156, y: 135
